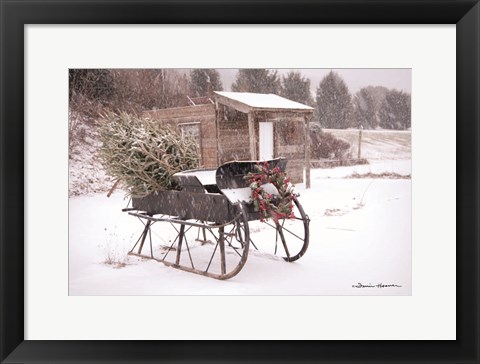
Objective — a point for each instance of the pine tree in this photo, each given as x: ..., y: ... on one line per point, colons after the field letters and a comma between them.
x: 395, y: 112
x: 257, y: 80
x: 199, y: 79
x: 334, y: 103
x: 365, y: 115
x: 378, y: 94
x: 295, y: 87
x: 143, y: 154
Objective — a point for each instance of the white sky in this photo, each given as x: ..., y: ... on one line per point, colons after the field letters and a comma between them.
x: 355, y: 78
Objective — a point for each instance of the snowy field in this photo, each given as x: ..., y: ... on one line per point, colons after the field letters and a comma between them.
x: 360, y: 236
x: 377, y: 144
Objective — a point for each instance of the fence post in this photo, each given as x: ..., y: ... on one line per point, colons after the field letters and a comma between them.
x: 359, y: 143
x: 307, y: 151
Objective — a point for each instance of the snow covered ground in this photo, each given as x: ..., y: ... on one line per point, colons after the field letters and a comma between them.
x: 85, y: 172
x: 360, y: 237
x: 377, y: 144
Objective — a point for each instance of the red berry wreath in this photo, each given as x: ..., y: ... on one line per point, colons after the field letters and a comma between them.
x: 269, y: 205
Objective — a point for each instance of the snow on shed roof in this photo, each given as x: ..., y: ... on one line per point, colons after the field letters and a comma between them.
x: 264, y: 101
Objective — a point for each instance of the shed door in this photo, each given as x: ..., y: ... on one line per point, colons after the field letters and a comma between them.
x: 192, y: 130
x: 266, y: 140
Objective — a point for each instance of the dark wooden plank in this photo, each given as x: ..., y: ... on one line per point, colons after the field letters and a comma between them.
x: 231, y: 174
x: 187, y: 205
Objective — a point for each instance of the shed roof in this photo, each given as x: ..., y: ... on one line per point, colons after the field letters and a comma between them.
x: 249, y: 101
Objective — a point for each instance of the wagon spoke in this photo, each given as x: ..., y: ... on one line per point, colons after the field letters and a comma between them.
x: 191, y: 226
x: 204, y: 233
x: 170, y: 248
x: 230, y: 235
x: 276, y: 240
x: 211, y: 232
x: 146, y: 227
x: 171, y: 223
x: 144, y: 236
x: 223, y: 263
x: 161, y: 238
x: 179, y: 246
x: 218, y: 261
x: 189, y: 255
x: 138, y: 240
x: 287, y: 230
x: 237, y: 230
x: 251, y: 242
x: 151, y: 247
x: 280, y: 232
x: 211, y: 258
x: 267, y: 223
x: 238, y: 233
x: 287, y: 238
x: 139, y: 219
x: 236, y: 251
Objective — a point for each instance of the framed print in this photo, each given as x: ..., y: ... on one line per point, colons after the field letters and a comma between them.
x: 217, y: 132
x: 56, y: 309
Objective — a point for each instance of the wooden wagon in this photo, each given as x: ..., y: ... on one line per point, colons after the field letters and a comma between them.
x: 210, y: 225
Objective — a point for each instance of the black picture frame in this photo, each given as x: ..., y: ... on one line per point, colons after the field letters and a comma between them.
x: 16, y: 14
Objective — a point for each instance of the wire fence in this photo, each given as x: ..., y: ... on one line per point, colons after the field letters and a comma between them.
x: 368, y: 145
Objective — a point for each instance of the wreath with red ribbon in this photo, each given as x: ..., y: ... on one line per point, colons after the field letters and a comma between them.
x: 271, y: 206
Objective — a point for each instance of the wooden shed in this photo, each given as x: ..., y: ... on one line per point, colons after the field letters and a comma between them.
x: 253, y: 126
x: 246, y: 126
x: 198, y: 121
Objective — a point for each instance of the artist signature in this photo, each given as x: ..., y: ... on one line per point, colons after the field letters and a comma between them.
x: 378, y: 285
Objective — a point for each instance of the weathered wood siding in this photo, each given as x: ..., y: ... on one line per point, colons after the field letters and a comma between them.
x: 203, y: 114
x: 289, y: 141
x: 288, y: 135
x: 233, y: 135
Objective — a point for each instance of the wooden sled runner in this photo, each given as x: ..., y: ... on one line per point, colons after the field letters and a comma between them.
x: 209, y: 226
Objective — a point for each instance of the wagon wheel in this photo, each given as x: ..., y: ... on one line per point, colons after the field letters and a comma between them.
x: 288, y: 238
x: 210, y: 249
x: 230, y: 246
